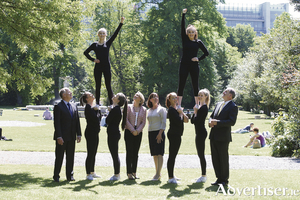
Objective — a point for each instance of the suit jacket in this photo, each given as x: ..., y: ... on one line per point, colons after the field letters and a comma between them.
x: 66, y: 126
x: 227, y: 116
x: 141, y: 120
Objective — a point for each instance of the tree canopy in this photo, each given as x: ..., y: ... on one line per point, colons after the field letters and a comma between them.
x: 242, y: 37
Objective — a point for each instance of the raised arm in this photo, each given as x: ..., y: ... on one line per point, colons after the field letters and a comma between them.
x: 113, y: 37
x: 183, y: 31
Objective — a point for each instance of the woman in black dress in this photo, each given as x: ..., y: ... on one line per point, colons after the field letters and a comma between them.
x: 102, y: 63
x: 198, y: 119
x: 93, y: 118
x: 189, y: 62
x: 176, y: 117
x: 113, y: 132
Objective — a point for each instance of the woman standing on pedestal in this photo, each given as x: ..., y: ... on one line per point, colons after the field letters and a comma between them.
x: 102, y: 63
x: 190, y: 62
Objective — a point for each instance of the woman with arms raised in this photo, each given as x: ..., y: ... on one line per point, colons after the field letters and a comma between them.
x: 190, y: 62
x: 102, y: 63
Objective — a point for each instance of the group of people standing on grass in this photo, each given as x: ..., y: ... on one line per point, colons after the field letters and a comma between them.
x: 134, y: 117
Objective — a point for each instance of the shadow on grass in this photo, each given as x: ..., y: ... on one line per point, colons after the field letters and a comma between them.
x: 18, y: 181
x: 110, y: 183
x: 82, y: 185
x: 150, y: 182
x: 180, y: 193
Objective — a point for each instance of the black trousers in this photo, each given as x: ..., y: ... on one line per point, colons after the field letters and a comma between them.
x: 220, y: 160
x: 191, y: 68
x: 200, y: 146
x: 92, y: 143
x: 113, y: 145
x: 69, y: 148
x: 133, y: 144
x: 174, y: 145
x: 107, y: 76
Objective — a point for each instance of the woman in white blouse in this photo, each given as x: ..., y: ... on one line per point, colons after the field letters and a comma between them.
x: 157, y: 117
x: 136, y: 120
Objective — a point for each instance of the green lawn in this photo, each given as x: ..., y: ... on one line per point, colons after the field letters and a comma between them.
x: 34, y: 182
x: 40, y: 138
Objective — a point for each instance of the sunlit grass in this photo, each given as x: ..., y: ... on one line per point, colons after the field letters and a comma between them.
x: 35, y: 182
x: 40, y: 138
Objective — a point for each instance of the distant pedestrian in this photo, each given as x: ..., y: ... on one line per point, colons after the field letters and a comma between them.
x: 47, y: 114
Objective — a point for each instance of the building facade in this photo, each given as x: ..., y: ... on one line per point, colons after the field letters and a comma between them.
x: 260, y: 17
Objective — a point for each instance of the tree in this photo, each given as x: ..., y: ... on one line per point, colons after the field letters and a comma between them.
x: 42, y: 27
x: 296, y: 3
x: 226, y: 60
x: 242, y: 37
x: 258, y: 77
x: 161, y: 28
x: 126, y: 51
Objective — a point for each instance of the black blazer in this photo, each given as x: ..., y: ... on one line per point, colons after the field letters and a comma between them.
x: 66, y: 126
x: 227, y: 116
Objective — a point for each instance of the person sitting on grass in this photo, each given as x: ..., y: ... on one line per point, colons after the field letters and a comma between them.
x: 257, y: 136
x: 47, y: 114
x: 245, y: 129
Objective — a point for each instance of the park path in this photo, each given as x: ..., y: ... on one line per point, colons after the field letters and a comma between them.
x: 145, y: 160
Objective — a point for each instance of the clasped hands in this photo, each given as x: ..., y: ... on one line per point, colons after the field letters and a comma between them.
x: 213, y: 122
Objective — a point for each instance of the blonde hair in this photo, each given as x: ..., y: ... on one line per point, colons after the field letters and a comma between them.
x: 142, y: 97
x: 192, y: 27
x: 207, y: 94
x: 102, y: 29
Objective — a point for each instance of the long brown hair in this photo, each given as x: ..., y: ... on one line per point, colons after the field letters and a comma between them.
x: 123, y: 101
x: 83, y: 99
x: 149, y: 103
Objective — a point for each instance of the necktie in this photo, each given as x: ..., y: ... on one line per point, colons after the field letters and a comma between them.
x: 69, y: 106
x: 221, y: 108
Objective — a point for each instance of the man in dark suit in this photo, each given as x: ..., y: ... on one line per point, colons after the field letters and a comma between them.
x: 222, y: 118
x: 66, y: 131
